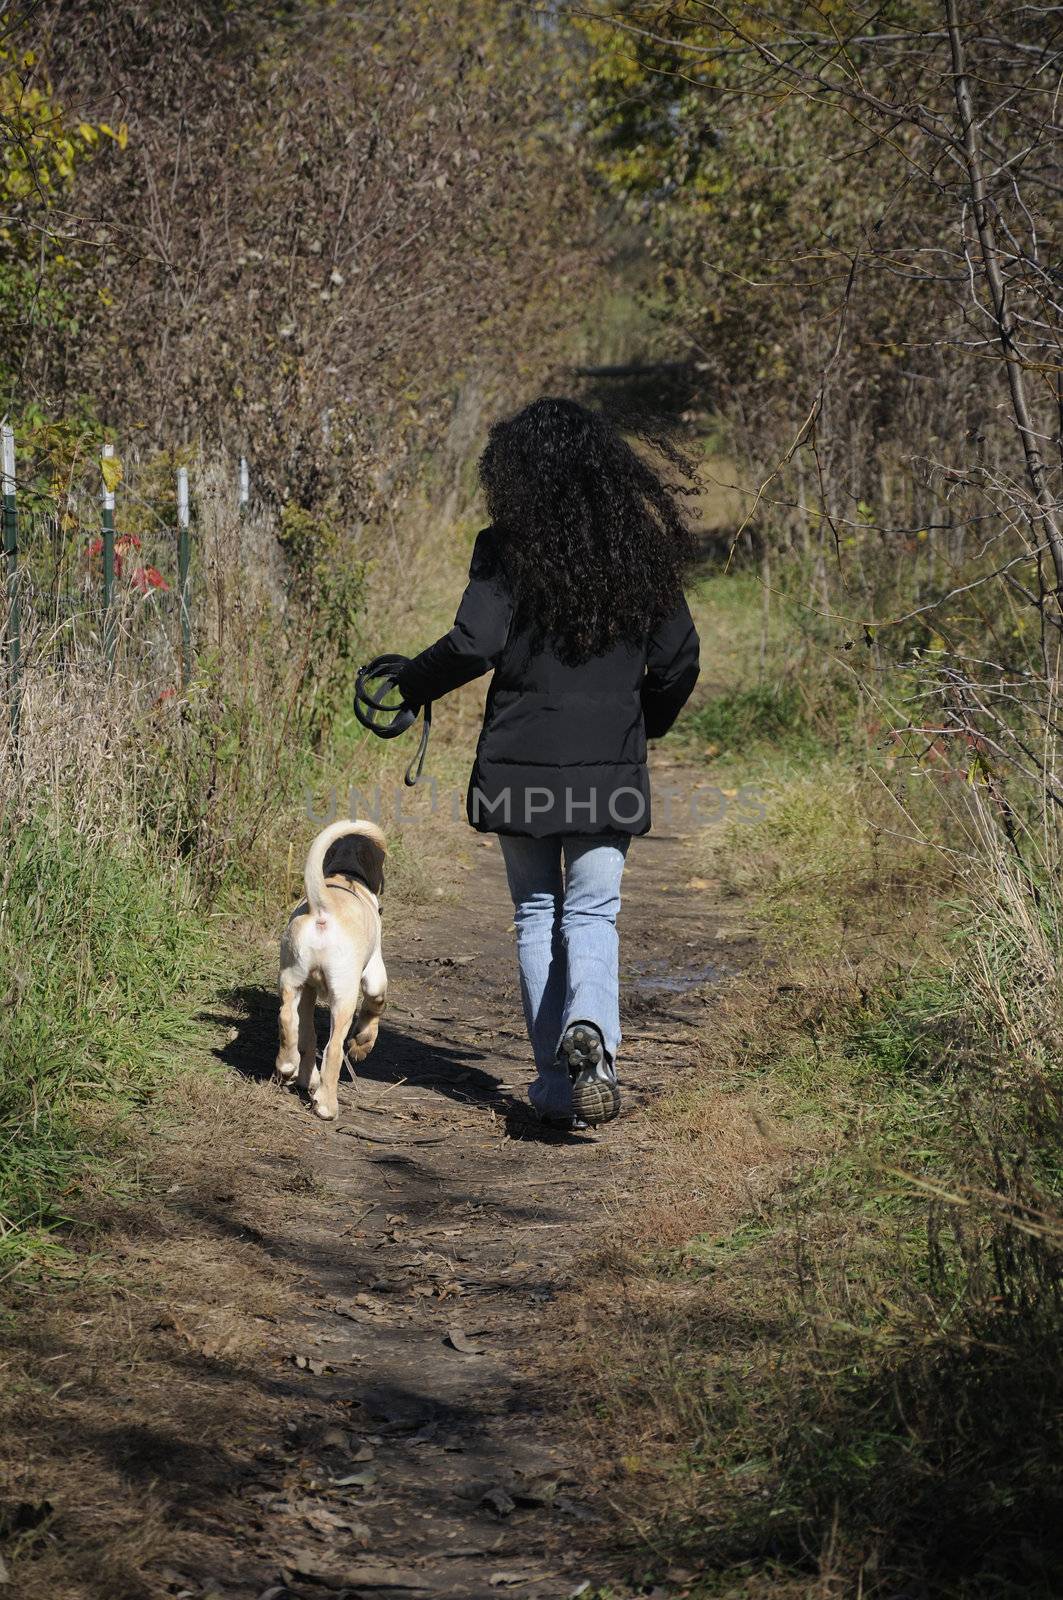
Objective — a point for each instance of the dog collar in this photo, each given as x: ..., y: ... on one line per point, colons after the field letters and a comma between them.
x: 347, y: 889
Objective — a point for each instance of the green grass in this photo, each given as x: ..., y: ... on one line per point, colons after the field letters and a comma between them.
x: 105, y: 962
x: 769, y: 698
x: 741, y: 718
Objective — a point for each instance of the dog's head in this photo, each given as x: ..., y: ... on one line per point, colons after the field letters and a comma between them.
x: 360, y: 855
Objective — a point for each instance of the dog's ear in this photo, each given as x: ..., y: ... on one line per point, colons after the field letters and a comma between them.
x: 359, y: 853
x: 370, y: 850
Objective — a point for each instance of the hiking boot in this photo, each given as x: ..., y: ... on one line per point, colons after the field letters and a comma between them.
x: 595, y: 1095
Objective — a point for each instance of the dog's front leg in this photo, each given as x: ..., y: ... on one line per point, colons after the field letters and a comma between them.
x: 326, y: 1097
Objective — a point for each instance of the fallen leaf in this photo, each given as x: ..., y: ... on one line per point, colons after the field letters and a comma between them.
x: 537, y: 1491
x: 380, y: 1578
x: 363, y: 1308
x: 573, y: 1508
x: 305, y: 1564
x: 355, y: 1480
x: 322, y: 1520
x: 309, y: 1364
x: 222, y: 1345
x: 498, y: 1501
x: 461, y: 1342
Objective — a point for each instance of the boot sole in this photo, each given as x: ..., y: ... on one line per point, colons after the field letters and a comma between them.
x: 594, y: 1099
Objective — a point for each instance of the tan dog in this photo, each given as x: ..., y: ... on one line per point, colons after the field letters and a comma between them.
x: 331, y: 948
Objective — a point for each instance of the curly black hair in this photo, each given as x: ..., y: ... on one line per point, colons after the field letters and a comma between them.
x: 592, y: 540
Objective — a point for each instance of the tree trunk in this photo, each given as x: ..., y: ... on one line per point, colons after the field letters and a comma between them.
x: 1036, y: 471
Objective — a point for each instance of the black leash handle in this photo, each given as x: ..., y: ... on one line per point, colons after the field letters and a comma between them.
x: 384, y: 717
x: 413, y: 772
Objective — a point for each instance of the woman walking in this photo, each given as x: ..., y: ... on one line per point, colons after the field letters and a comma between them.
x: 575, y: 600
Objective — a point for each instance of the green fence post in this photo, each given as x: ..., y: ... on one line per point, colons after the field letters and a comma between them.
x: 13, y: 632
x: 183, y: 562
x: 108, y: 562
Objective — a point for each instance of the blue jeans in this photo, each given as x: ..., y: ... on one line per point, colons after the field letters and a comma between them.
x: 567, y: 946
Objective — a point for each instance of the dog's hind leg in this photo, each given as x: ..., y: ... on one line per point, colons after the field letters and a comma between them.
x: 374, y: 999
x: 326, y: 1097
x: 288, y: 1054
x: 308, y: 1073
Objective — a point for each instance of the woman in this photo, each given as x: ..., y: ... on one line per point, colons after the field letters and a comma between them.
x: 575, y: 599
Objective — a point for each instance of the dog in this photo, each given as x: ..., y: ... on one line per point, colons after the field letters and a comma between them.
x: 331, y: 949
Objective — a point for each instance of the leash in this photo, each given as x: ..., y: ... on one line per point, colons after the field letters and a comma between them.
x: 386, y: 717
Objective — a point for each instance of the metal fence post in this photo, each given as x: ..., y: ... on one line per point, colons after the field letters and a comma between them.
x: 13, y: 633
x: 183, y: 563
x: 108, y: 562
x: 245, y: 487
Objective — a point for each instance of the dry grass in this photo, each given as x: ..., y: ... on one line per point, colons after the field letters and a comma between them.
x: 714, y: 1158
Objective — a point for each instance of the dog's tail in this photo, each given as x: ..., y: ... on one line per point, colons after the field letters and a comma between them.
x: 313, y: 872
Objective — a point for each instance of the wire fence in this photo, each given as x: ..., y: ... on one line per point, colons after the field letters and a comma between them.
x: 99, y: 567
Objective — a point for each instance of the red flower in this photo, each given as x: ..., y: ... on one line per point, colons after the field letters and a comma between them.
x: 124, y: 543
x: 145, y: 578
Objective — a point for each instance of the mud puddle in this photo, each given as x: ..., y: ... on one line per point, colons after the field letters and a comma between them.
x: 664, y: 977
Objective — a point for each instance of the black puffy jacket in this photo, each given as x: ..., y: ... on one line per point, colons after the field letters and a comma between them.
x: 563, y: 748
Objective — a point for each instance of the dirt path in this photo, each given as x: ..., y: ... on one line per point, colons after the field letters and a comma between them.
x: 459, y: 1237
x: 386, y: 1433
